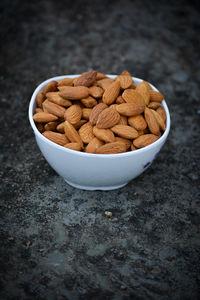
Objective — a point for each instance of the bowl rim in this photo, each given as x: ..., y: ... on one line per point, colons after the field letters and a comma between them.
x: 92, y: 155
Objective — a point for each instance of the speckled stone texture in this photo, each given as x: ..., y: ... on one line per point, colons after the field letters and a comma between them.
x: 56, y: 242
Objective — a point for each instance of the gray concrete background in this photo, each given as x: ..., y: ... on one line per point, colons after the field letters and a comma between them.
x: 56, y: 242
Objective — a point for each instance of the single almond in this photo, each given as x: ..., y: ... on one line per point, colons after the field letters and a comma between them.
x: 111, y: 93
x: 162, y: 113
x: 89, y: 102
x: 125, y: 131
x: 73, y: 146
x: 55, y: 137
x: 40, y: 98
x: 96, y: 91
x: 105, y: 83
x: 60, y: 128
x: 120, y: 100
x: 100, y: 76
x: 86, y: 79
x: 125, y: 73
x: 66, y: 82
x: 143, y: 90
x: 125, y: 81
x: 74, y: 92
x: 159, y: 120
x: 96, y: 111
x: 51, y: 86
x: 151, y: 121
x: 73, y: 114
x: 86, y: 113
x: 138, y: 122
x: 44, y: 117
x: 112, y: 148
x: 93, y: 145
x: 72, y: 134
x: 154, y: 105
x: 86, y: 132
x: 108, y: 118
x: 127, y: 142
x: 105, y: 135
x: 57, y: 99
x: 145, y: 140
x: 156, y: 96
x: 130, y: 109
x: 53, y: 108
x: 132, y: 96
x: 51, y: 126
x: 123, y: 120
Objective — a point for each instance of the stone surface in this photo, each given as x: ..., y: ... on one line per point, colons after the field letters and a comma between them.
x: 56, y: 242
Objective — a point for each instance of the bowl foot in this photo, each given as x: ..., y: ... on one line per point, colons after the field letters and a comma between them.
x: 94, y: 188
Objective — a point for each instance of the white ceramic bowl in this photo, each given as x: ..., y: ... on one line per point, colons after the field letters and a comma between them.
x: 96, y: 171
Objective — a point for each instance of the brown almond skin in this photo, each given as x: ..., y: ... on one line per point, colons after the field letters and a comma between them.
x: 159, y: 120
x: 162, y: 113
x: 51, y: 126
x: 79, y: 123
x: 108, y: 118
x: 100, y: 76
x: 111, y: 93
x: 156, y: 96
x: 130, y: 109
x: 57, y: 99
x: 72, y: 134
x: 38, y: 109
x: 86, y: 132
x: 89, y: 102
x: 143, y: 90
x: 125, y: 131
x: 151, y: 121
x: 154, y: 105
x: 55, y: 137
x: 105, y: 135
x: 73, y: 146
x: 138, y: 122
x: 105, y: 83
x: 86, y: 113
x: 112, y: 148
x: 51, y: 86
x: 73, y: 114
x: 96, y: 91
x: 93, y: 145
x: 66, y: 82
x: 127, y: 142
x: 86, y: 79
x: 125, y: 81
x: 40, y: 127
x: 40, y: 98
x: 53, y: 108
x: 145, y: 140
x: 120, y: 100
x: 60, y: 128
x: 74, y: 92
x: 123, y: 120
x: 44, y: 117
x: 96, y: 111
x: 132, y: 96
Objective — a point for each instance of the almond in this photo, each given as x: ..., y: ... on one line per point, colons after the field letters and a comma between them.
x: 156, y: 96
x: 86, y: 132
x: 133, y: 148
x: 86, y: 113
x: 93, y: 145
x: 127, y: 142
x: 89, y: 102
x: 138, y: 122
x: 44, y: 117
x: 105, y: 83
x: 162, y: 113
x: 96, y: 91
x: 143, y: 90
x: 40, y: 127
x: 66, y: 82
x: 55, y: 137
x: 141, y: 132
x: 125, y: 73
x: 151, y: 121
x: 147, y: 85
x: 79, y: 124
x: 112, y: 148
x: 74, y: 92
x: 130, y: 109
x: 96, y: 111
x: 125, y: 81
x: 120, y: 100
x: 159, y: 120
x: 38, y: 109
x: 40, y: 98
x: 72, y: 134
x: 145, y: 140
x: 132, y: 96
x: 108, y: 118
x: 73, y: 146
x: 73, y: 114
x: 154, y: 105
x: 51, y: 86
x: 100, y: 76
x: 105, y: 135
x: 123, y: 120
x: 50, y: 126
x: 57, y: 99
x: 111, y: 93
x: 125, y: 131
x: 86, y: 79
x: 60, y: 127
x: 53, y: 108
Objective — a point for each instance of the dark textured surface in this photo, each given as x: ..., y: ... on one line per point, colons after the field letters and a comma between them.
x: 56, y: 242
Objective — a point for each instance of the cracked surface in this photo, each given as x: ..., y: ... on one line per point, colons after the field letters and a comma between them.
x: 56, y: 242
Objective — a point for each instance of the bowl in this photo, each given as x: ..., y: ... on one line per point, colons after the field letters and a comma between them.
x: 96, y: 171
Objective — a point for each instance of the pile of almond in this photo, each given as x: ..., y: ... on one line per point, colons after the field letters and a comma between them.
x: 96, y: 114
